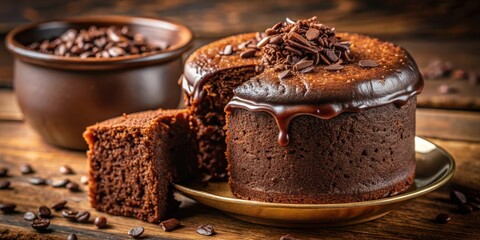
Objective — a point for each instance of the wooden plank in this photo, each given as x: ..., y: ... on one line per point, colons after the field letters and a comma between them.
x: 448, y: 124
x: 19, y: 145
x: 9, y: 109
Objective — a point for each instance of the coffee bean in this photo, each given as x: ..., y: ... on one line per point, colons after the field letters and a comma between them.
x: 44, y: 212
x: 446, y: 89
x: 3, y: 172
x: 60, y: 183
x: 84, y: 180
x: 26, y: 169
x: 37, y: 181
x: 100, y: 222
x: 170, y: 224
x: 206, y: 230
x: 65, y: 170
x: 4, y: 184
x: 288, y: 237
x: 59, y: 206
x: 7, y: 207
x: 72, y: 236
x: 458, y: 197
x: 96, y: 41
x: 248, y: 53
x: 475, y: 206
x: 73, y: 187
x: 465, y: 208
x: 136, y: 232
x: 40, y: 224
x: 29, y: 216
x: 82, y: 216
x: 334, y: 67
x: 368, y: 63
x: 285, y: 74
x: 443, y: 218
x: 69, y: 214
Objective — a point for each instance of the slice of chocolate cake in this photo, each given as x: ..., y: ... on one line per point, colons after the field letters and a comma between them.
x: 134, y: 159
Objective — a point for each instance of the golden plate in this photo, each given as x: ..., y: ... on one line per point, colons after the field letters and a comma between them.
x: 434, y: 167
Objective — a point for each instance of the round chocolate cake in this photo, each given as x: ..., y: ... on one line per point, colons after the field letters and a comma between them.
x: 330, y: 120
x: 312, y: 116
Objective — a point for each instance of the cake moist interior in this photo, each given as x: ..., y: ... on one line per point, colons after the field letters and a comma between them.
x: 209, y: 118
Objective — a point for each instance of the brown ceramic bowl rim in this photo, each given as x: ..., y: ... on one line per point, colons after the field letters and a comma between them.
x: 49, y: 60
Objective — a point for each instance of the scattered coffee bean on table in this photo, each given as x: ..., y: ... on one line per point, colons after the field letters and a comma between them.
x: 26, y: 169
x: 206, y: 230
x: 60, y: 183
x: 40, y: 224
x: 84, y: 180
x: 443, y: 218
x: 170, y: 224
x: 66, y: 170
x: 44, y: 212
x: 82, y: 216
x: 3, y: 172
x: 60, y: 205
x: 100, y: 222
x: 136, y: 232
x: 73, y: 187
x: 458, y: 197
x: 69, y: 214
x: 7, y: 207
x: 29, y: 216
x: 37, y: 181
x: 4, y: 184
x: 98, y: 42
x: 72, y: 236
x: 465, y: 208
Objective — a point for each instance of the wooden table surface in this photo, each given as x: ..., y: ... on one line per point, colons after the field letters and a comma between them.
x: 426, y: 29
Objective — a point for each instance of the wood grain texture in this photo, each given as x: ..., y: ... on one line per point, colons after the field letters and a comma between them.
x: 415, y: 220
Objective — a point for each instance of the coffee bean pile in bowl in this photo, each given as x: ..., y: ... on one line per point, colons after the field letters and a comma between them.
x: 98, y: 42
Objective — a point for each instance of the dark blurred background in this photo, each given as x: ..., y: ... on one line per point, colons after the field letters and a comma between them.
x: 446, y: 30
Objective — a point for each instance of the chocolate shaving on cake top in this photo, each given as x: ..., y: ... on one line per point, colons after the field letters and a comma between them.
x: 300, y: 45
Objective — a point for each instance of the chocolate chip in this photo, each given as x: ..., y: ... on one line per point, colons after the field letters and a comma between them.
x: 73, y: 187
x: 334, y: 67
x: 37, y: 181
x: 303, y: 64
x: 263, y: 42
x: 44, y: 212
x: 100, y: 222
x: 368, y: 63
x: 72, y: 236
x: 206, y: 230
x: 135, y: 232
x: 69, y: 214
x: 66, y: 170
x: 276, y: 40
x: 40, y: 224
x: 248, y: 53
x: 334, y: 58
x: 3, y: 172
x: 7, y: 207
x: 243, y: 45
x: 84, y: 180
x: 312, y: 33
x: 60, y: 183
x: 228, y: 50
x: 288, y: 237
x: 26, y: 169
x: 60, y: 205
x: 4, y: 184
x: 170, y: 224
x: 29, y: 216
x: 82, y: 216
x: 285, y: 74
x: 308, y: 69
